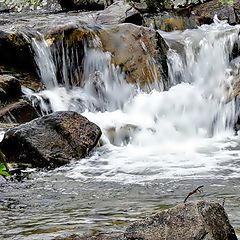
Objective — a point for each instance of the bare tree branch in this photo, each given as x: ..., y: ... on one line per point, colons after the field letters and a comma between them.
x: 198, y: 189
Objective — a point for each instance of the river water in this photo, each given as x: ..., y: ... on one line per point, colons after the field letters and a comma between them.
x: 156, y: 146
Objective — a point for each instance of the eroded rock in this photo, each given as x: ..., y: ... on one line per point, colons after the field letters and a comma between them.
x: 51, y: 141
x: 196, y: 220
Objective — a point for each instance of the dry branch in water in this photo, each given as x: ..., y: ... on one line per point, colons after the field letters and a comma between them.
x: 198, y: 189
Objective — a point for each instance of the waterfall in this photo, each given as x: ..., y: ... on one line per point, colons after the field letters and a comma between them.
x: 156, y: 134
x: 99, y: 86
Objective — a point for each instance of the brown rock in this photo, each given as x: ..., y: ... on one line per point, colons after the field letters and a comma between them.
x: 18, y: 112
x: 140, y: 51
x: 191, y: 221
x: 51, y: 141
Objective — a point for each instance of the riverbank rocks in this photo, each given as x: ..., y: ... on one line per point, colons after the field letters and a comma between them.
x: 195, y: 220
x: 51, y: 141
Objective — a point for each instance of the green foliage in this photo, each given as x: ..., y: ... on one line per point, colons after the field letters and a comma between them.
x: 229, y: 2
x: 4, y: 170
x: 19, y: 4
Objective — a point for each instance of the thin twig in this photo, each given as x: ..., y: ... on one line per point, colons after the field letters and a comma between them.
x: 198, y: 189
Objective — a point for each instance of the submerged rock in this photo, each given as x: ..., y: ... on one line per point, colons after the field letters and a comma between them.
x: 51, y: 141
x: 196, y: 220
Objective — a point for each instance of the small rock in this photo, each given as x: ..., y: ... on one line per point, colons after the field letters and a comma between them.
x: 51, y: 141
x: 200, y: 220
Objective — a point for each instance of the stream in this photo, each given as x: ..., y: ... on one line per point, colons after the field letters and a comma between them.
x: 157, y: 146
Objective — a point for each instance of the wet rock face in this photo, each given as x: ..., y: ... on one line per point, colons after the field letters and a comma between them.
x: 13, y: 44
x: 197, y: 220
x: 136, y: 50
x: 51, y: 141
x: 10, y: 88
x: 18, y: 112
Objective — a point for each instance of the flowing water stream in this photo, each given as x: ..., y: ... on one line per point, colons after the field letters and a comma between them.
x: 157, y: 146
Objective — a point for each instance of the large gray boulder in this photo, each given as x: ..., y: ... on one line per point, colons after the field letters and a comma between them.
x: 119, y: 12
x: 51, y: 141
x: 200, y: 220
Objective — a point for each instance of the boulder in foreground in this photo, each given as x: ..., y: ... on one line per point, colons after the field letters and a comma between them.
x: 199, y: 220
x: 51, y: 141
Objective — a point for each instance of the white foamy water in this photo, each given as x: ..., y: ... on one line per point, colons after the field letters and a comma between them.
x: 185, y: 132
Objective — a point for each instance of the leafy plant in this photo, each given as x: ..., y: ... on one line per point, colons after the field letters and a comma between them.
x: 4, y: 170
x: 229, y: 2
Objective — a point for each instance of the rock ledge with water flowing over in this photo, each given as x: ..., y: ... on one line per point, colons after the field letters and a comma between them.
x: 51, y: 141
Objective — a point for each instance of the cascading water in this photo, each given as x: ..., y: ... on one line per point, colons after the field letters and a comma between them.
x: 155, y: 144
x: 156, y: 134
